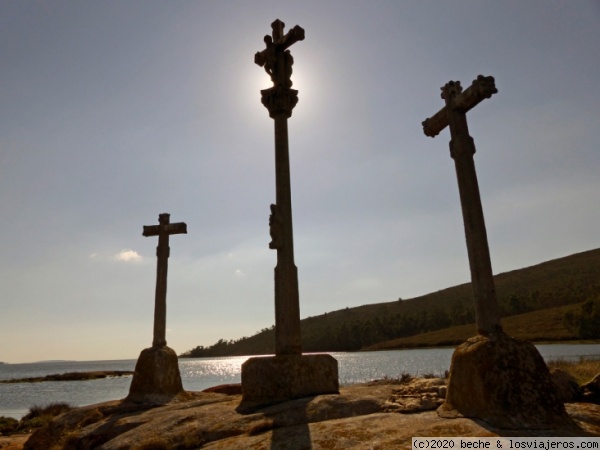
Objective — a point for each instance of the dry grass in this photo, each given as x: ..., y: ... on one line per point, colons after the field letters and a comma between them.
x: 583, y: 370
x: 37, y: 417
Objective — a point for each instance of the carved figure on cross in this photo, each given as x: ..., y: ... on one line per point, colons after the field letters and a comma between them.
x: 276, y: 59
x: 275, y: 228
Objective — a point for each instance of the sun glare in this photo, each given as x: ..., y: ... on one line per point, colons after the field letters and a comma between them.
x: 305, y: 84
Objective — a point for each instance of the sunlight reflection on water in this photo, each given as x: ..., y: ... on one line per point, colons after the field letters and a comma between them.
x: 199, y: 374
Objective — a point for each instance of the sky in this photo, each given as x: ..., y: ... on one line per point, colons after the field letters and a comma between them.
x: 113, y: 112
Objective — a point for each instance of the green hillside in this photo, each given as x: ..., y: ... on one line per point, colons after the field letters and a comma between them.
x: 546, y: 325
x: 542, y: 295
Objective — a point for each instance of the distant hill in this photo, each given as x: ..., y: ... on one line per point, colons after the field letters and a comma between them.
x: 533, y: 301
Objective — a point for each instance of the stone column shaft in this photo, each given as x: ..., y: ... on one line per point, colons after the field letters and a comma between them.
x: 160, y: 295
x: 462, y: 149
x: 288, y: 339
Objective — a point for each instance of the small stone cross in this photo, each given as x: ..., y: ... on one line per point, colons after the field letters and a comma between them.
x: 462, y: 149
x: 162, y: 230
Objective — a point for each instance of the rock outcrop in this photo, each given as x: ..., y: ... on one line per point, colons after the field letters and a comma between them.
x: 156, y: 379
x: 504, y: 382
x: 567, y: 388
x: 591, y: 390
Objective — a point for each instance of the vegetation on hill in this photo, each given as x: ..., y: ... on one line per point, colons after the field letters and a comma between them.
x: 546, y: 325
x: 72, y: 376
x: 555, y: 300
x: 585, y: 321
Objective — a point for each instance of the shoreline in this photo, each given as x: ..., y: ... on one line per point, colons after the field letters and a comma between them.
x: 424, y: 346
x: 72, y: 376
x: 411, y: 395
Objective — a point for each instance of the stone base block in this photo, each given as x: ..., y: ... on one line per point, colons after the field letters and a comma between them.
x: 156, y: 378
x: 504, y: 382
x: 279, y: 378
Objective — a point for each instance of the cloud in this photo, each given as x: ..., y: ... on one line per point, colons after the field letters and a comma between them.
x: 128, y: 256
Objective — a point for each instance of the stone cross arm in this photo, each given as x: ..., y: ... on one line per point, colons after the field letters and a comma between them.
x: 170, y: 228
x: 480, y: 89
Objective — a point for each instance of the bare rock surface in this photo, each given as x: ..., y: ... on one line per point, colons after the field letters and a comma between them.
x: 567, y: 388
x: 13, y: 442
x: 591, y: 390
x: 368, y: 416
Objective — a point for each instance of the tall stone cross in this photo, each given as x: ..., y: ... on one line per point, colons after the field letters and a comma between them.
x: 462, y: 149
x: 280, y: 100
x: 162, y: 230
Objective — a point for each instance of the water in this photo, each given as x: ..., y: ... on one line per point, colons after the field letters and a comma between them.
x: 201, y: 373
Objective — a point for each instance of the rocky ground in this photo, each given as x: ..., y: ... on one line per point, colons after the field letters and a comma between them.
x: 13, y: 442
x: 379, y: 415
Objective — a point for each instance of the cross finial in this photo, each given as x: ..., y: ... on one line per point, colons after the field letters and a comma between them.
x: 163, y: 218
x: 451, y: 90
x: 277, y: 28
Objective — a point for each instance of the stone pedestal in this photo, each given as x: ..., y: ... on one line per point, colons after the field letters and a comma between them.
x: 504, y: 382
x: 156, y: 379
x: 278, y: 378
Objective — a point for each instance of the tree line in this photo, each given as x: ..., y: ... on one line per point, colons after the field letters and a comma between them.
x: 585, y: 321
x: 353, y: 330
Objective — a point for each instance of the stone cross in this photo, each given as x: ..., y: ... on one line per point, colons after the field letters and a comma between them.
x: 280, y: 100
x: 289, y: 374
x: 162, y: 230
x: 462, y: 149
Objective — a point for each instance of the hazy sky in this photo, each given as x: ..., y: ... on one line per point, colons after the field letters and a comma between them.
x: 113, y: 112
